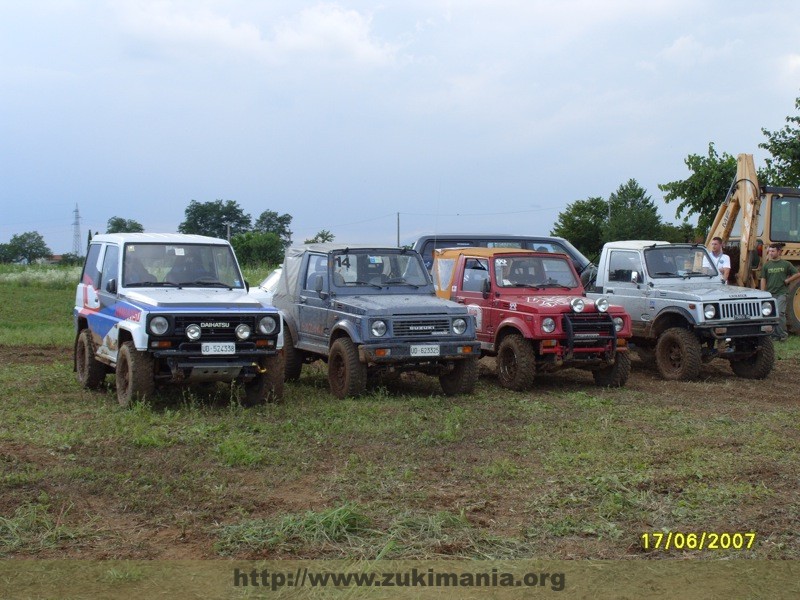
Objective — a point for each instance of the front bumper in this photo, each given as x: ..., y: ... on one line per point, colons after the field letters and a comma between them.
x: 723, y: 330
x: 401, y: 352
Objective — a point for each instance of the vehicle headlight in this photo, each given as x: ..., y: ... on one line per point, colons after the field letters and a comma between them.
x: 548, y: 325
x: 710, y: 311
x: 601, y: 304
x: 459, y: 326
x: 267, y: 325
x: 193, y: 332
x: 618, y: 323
x: 378, y: 328
x: 577, y: 304
x: 159, y: 326
x: 766, y: 308
x: 242, y: 331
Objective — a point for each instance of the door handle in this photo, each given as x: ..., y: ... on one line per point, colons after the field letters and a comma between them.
x: 609, y: 291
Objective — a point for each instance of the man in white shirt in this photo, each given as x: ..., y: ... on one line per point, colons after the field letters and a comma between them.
x: 719, y: 259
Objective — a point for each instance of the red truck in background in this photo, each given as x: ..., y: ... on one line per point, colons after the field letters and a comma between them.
x: 532, y: 314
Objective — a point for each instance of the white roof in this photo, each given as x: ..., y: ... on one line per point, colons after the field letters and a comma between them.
x: 157, y: 238
x: 636, y: 244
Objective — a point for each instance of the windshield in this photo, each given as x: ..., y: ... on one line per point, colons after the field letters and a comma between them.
x: 785, y: 219
x: 679, y: 261
x: 180, y: 265
x: 378, y: 268
x: 533, y: 271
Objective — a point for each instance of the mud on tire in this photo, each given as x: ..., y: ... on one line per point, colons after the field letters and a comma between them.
x: 678, y: 355
x: 292, y: 357
x: 347, y: 376
x: 760, y: 364
x: 461, y: 379
x: 516, y: 363
x: 615, y: 375
x: 90, y: 372
x: 134, y: 375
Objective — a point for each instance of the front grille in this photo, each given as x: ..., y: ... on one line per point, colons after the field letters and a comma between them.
x: 742, y: 309
x: 421, y: 327
x: 588, y: 329
x: 212, y: 326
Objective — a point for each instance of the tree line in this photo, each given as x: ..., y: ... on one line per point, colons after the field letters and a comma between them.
x: 628, y: 213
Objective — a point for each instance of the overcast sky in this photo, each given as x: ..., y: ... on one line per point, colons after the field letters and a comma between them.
x: 461, y: 115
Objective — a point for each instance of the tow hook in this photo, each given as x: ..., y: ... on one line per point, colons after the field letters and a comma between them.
x: 261, y: 370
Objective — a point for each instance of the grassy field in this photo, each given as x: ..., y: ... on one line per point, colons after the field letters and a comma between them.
x: 566, y: 471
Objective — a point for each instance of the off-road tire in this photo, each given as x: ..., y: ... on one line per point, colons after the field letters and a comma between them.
x: 678, y: 355
x: 292, y: 357
x: 347, y: 376
x: 461, y: 379
x: 91, y: 373
x: 516, y: 363
x: 267, y: 386
x: 614, y: 375
x: 134, y: 375
x: 793, y: 307
x: 760, y: 364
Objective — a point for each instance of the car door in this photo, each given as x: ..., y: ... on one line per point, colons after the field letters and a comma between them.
x: 103, y: 322
x: 622, y: 289
x: 314, y: 305
x: 472, y: 278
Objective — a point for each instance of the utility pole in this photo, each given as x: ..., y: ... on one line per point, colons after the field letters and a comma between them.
x: 76, y: 232
x: 398, y: 229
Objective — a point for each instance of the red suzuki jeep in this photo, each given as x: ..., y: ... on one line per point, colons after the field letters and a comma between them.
x: 532, y: 314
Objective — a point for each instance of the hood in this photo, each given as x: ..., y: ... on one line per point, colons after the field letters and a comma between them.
x: 192, y: 298
x: 394, y: 304
x: 544, y: 304
x: 703, y: 291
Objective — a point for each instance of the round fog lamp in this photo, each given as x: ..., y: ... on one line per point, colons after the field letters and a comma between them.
x: 601, y: 304
x: 577, y: 304
x: 242, y: 331
x: 193, y: 332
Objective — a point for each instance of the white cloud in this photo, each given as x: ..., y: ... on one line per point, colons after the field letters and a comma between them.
x: 686, y: 51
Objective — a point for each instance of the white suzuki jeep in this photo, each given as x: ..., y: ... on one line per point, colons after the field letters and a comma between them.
x: 171, y: 308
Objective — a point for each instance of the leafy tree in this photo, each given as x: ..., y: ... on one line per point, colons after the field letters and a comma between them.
x: 705, y: 189
x: 6, y: 253
x: 685, y: 232
x: 783, y: 169
x: 253, y: 247
x: 71, y: 259
x: 271, y: 222
x: 29, y: 246
x: 120, y: 225
x: 213, y: 218
x: 321, y: 237
x: 633, y: 216
x: 582, y: 224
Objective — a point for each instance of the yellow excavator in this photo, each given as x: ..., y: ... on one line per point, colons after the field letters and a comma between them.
x: 759, y: 216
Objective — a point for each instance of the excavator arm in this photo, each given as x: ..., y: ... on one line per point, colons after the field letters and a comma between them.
x: 744, y: 195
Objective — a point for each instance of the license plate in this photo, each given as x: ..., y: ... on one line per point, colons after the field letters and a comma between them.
x: 426, y: 350
x: 218, y: 348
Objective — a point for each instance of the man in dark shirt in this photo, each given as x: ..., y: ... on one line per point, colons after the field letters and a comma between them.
x: 776, y: 277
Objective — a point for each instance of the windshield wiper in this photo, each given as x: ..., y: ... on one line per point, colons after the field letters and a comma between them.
x: 666, y: 273
x: 375, y: 285
x: 557, y: 285
x: 401, y: 281
x: 693, y: 273
x: 152, y: 284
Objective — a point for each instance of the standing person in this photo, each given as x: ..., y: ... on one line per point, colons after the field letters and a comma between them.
x: 776, y: 277
x: 721, y: 260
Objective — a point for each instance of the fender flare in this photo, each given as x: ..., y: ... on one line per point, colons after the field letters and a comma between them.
x: 512, y: 325
x: 670, y: 313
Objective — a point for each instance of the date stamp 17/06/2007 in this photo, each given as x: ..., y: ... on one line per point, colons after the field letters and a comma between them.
x: 699, y: 540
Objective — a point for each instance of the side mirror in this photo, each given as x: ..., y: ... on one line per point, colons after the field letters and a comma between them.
x: 111, y: 286
x: 486, y: 287
x: 634, y: 276
x: 319, y: 286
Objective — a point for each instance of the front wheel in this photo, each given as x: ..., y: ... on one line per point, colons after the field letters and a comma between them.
x: 293, y: 358
x: 759, y: 365
x: 347, y: 376
x: 678, y: 355
x: 461, y: 378
x: 616, y: 374
x: 90, y: 372
x: 134, y: 375
x: 793, y: 307
x: 516, y: 363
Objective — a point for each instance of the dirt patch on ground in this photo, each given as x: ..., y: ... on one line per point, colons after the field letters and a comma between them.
x: 181, y: 521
